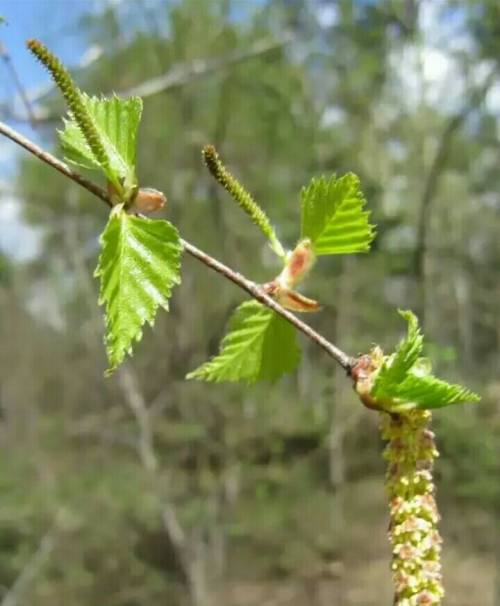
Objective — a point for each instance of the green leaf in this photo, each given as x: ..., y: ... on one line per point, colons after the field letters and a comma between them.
x: 428, y: 392
x: 404, y: 380
x: 260, y: 345
x: 138, y: 267
x: 117, y: 122
x: 396, y: 367
x: 333, y: 217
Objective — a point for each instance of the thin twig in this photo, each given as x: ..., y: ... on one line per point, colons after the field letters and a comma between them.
x: 63, y: 168
x: 185, y: 73
x: 244, y: 283
x: 9, y: 65
x: 260, y: 295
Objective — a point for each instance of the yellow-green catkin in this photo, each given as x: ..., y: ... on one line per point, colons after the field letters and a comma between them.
x: 241, y: 196
x: 413, y: 533
x: 73, y: 98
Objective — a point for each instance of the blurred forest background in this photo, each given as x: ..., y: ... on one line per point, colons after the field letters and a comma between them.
x: 145, y: 489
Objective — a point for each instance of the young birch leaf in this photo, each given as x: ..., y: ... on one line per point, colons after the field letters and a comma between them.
x: 396, y: 367
x: 260, y: 345
x: 117, y: 122
x: 333, y: 218
x: 428, y: 392
x: 404, y: 380
x: 138, y: 267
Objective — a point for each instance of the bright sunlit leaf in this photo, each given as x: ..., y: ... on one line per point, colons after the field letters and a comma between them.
x: 405, y: 380
x: 429, y: 392
x: 396, y: 367
x: 333, y: 217
x: 138, y: 267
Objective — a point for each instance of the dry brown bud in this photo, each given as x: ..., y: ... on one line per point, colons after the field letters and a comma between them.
x: 148, y: 200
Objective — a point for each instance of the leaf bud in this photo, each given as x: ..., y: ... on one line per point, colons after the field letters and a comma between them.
x: 148, y: 200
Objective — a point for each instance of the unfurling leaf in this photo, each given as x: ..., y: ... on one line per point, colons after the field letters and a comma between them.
x: 396, y: 367
x: 298, y: 263
x: 260, y: 345
x: 333, y: 217
x: 403, y: 380
x: 138, y: 267
x: 428, y: 392
x: 289, y: 298
x: 116, y: 122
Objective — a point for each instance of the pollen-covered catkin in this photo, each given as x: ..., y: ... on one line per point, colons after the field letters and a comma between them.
x: 413, y: 533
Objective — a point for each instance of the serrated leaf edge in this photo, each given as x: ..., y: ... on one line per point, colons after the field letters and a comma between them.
x: 359, y: 198
x: 118, y: 213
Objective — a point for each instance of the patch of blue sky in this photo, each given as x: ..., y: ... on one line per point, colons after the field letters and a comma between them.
x: 56, y: 23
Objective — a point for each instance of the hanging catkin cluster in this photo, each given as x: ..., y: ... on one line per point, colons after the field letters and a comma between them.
x: 415, y: 540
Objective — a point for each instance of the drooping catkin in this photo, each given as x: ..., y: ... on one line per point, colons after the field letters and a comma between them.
x: 413, y: 533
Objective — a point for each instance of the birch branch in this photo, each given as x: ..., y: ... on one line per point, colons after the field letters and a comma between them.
x: 253, y: 289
